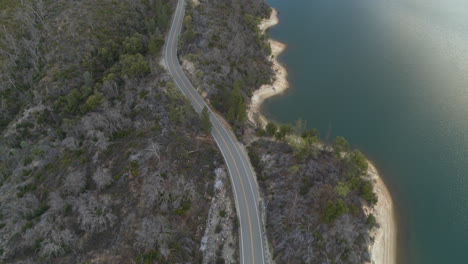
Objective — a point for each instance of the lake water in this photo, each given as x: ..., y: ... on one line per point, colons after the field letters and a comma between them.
x: 392, y: 77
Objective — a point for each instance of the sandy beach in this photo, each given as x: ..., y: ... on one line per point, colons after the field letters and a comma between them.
x: 384, y: 249
x: 280, y: 83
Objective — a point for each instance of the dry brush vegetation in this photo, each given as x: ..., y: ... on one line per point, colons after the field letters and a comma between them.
x: 315, y: 197
x: 103, y: 160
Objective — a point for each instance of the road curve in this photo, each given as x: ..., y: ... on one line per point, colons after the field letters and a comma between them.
x: 245, y: 187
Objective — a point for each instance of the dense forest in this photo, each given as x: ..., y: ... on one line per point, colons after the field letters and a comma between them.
x: 103, y: 160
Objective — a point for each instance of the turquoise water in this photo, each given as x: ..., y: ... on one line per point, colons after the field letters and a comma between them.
x: 391, y: 77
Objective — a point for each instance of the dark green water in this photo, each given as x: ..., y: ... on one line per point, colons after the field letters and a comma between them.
x: 356, y: 73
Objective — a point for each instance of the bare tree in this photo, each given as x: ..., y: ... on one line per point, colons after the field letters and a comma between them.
x: 56, y: 202
x: 75, y: 181
x: 95, y: 215
x: 154, y: 149
x: 102, y: 178
x: 56, y: 243
x: 152, y: 231
x: 153, y: 189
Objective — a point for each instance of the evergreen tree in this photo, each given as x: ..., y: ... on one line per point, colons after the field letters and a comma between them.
x: 340, y: 145
x: 271, y: 129
x: 237, y: 107
x: 205, y: 120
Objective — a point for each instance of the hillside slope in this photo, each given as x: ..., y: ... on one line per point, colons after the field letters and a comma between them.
x: 103, y: 160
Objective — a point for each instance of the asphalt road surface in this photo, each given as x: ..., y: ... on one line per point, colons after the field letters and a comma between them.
x: 245, y: 187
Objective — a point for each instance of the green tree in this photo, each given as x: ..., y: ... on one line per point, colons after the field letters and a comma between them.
x: 340, y: 145
x: 188, y: 21
x: 237, y: 107
x: 366, y: 190
x: 134, y: 65
x: 271, y: 128
x: 359, y: 162
x: 106, y: 56
x: 334, y: 210
x: 155, y: 45
x: 93, y: 102
x: 189, y: 33
x: 371, y: 220
x: 205, y: 120
x: 342, y: 189
x: 134, y: 44
x: 163, y: 16
x: 88, y: 78
x: 284, y: 130
x: 72, y: 101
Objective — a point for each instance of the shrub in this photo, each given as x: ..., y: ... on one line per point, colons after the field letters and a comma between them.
x: 284, y: 130
x: 271, y: 128
x: 305, y: 187
x: 120, y: 134
x: 255, y: 160
x: 150, y: 257
x: 185, y: 205
x: 38, y: 212
x: 301, y: 147
x: 25, y: 189
x: 222, y: 213
x: 311, y: 133
x: 261, y: 132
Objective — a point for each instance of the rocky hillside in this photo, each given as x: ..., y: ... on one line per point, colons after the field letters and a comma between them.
x: 315, y: 197
x: 103, y: 160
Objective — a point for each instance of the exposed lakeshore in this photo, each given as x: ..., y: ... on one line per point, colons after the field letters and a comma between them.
x: 280, y: 83
x: 384, y: 248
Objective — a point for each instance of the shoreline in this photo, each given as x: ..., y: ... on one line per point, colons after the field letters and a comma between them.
x: 280, y: 83
x: 384, y: 248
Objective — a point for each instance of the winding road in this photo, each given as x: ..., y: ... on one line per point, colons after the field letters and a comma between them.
x: 242, y: 176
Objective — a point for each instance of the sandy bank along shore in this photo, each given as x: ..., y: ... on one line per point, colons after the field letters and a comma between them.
x: 384, y: 249
x: 280, y: 83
